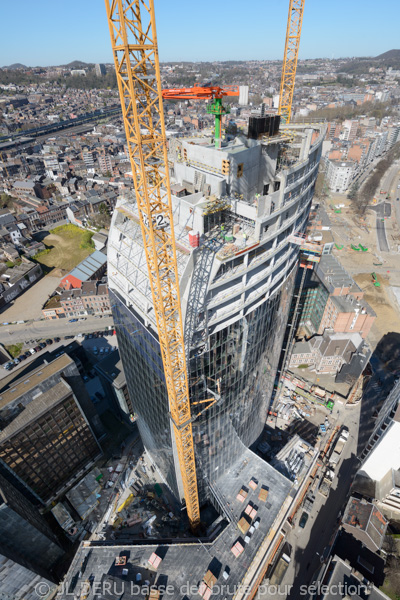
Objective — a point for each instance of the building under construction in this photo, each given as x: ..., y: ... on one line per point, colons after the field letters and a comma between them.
x: 237, y: 210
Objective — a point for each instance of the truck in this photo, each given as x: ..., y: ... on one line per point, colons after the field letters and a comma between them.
x: 338, y: 447
x: 326, y: 482
x: 281, y: 566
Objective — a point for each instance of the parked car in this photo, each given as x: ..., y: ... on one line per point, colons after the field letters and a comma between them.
x: 303, y: 520
x: 16, y: 361
x: 57, y: 339
x: 49, y: 341
x: 38, y: 348
x: 43, y: 345
x: 69, y: 337
x: 22, y: 357
x: 73, y: 321
x: 32, y: 350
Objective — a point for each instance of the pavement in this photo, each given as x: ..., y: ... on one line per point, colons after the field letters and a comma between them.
x: 29, y: 304
x: 388, y: 184
x: 97, y: 349
x: 42, y: 329
x: 383, y: 210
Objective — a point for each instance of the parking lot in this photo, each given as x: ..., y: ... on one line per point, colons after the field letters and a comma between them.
x: 98, y: 345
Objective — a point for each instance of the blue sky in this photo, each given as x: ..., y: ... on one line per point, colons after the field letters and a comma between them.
x: 52, y: 32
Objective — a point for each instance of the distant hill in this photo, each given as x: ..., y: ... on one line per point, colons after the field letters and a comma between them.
x: 390, y: 54
x: 76, y: 64
x: 16, y: 66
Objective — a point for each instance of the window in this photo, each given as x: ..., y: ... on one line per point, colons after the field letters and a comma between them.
x: 240, y: 170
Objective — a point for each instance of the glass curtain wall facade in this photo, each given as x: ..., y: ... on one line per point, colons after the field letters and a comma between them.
x: 49, y: 450
x: 236, y: 290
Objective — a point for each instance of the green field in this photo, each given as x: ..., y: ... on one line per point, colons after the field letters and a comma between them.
x: 66, y: 246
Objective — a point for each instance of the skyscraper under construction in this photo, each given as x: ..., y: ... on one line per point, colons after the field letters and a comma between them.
x: 238, y: 211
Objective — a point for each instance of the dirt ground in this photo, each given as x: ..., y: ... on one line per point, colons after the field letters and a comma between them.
x: 347, y: 229
x: 382, y: 300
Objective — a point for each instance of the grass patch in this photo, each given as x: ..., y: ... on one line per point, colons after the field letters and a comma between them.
x: 303, y: 366
x: 43, y: 252
x: 387, y: 589
x: 14, y: 350
x: 66, y: 247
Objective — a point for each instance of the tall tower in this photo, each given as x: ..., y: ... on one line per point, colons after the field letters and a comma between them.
x: 235, y: 209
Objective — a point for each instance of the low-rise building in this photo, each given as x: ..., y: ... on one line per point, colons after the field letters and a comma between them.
x: 326, y: 353
x: 91, y: 268
x: 72, y: 304
x: 17, y: 279
x: 53, y: 309
x: 365, y: 522
x: 95, y: 298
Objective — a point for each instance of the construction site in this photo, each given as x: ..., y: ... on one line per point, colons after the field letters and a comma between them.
x: 375, y: 269
x: 202, y: 264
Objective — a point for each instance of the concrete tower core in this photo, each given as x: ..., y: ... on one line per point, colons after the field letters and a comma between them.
x: 235, y: 209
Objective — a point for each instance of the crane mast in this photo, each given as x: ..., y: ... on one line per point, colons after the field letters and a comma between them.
x: 134, y: 44
x: 292, y: 44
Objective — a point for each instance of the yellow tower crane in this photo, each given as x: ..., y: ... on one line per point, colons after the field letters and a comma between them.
x: 134, y: 44
x: 292, y: 44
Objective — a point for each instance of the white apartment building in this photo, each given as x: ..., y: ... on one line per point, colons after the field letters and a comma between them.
x: 339, y: 175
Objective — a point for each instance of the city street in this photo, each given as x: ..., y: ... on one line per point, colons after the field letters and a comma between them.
x: 97, y: 348
x: 11, y: 334
x: 311, y: 545
x: 388, y: 184
x: 384, y: 209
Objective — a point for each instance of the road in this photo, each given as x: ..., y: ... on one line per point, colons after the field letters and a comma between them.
x: 388, y: 184
x: 384, y: 209
x: 37, y: 330
x: 312, y: 544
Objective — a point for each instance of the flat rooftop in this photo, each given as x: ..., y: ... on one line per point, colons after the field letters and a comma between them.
x: 37, y: 407
x: 31, y: 380
x: 331, y: 273
x: 345, y: 580
x: 385, y: 456
x: 111, y: 367
x: 185, y: 563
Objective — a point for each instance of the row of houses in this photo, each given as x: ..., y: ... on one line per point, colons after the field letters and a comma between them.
x: 91, y: 299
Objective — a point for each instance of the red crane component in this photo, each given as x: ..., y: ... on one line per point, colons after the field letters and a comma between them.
x: 199, y: 92
x: 207, y: 92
